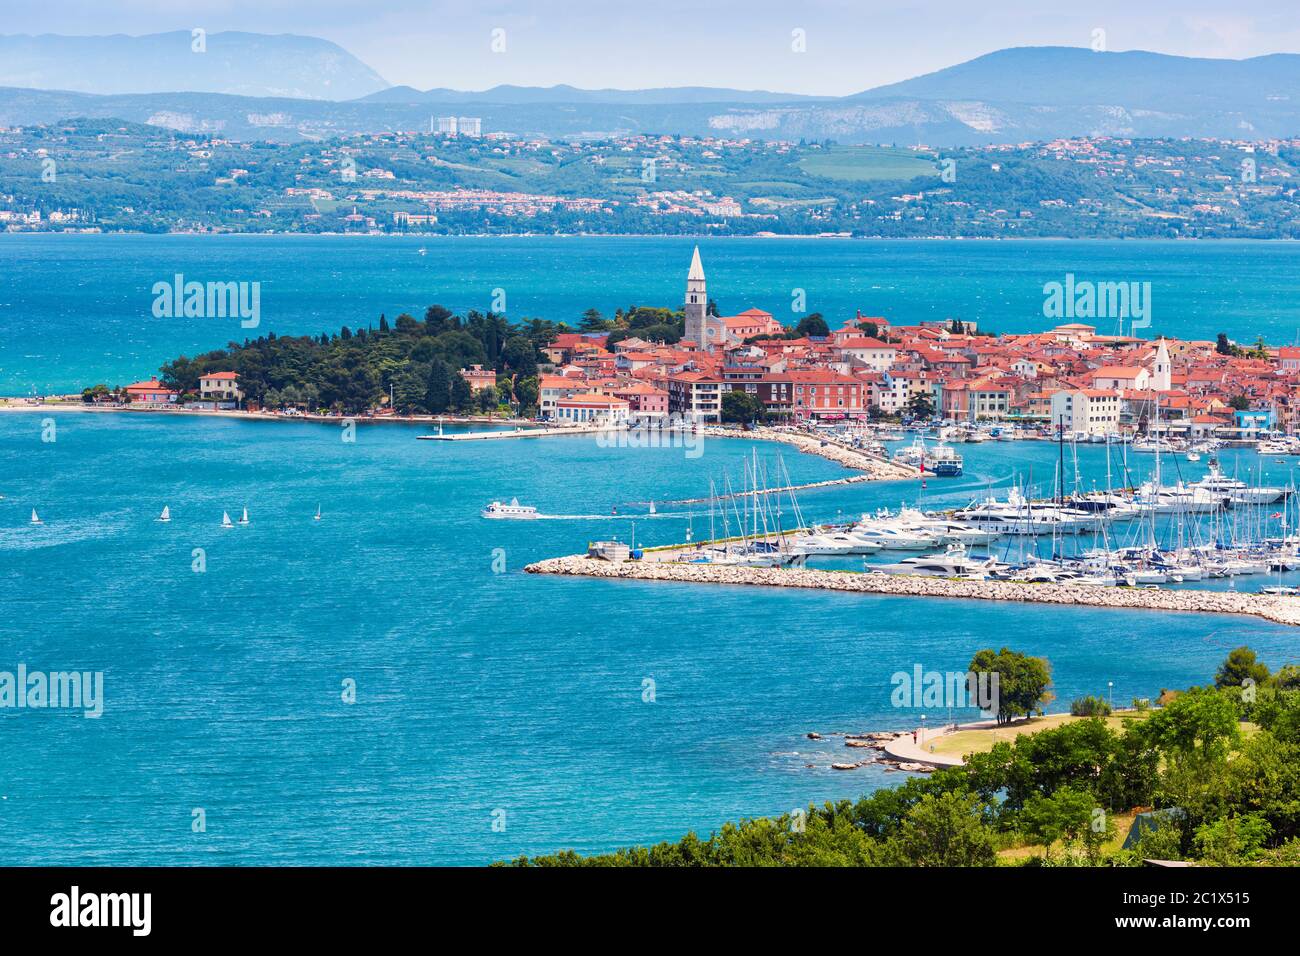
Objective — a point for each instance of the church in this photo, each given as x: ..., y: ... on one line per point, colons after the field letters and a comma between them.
x: 714, y: 331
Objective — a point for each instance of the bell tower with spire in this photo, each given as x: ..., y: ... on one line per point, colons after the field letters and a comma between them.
x: 697, y: 303
x: 1162, y: 369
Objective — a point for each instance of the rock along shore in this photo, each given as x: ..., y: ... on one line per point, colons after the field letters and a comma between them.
x: 1278, y: 609
x: 876, y: 468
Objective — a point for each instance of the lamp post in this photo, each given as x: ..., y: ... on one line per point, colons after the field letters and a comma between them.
x: 1110, y: 688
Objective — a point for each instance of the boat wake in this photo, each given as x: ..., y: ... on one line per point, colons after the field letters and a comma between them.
x: 637, y: 516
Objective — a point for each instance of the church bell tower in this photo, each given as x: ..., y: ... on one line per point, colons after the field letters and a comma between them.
x: 697, y: 304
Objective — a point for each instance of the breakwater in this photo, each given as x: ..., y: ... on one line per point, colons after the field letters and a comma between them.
x: 1278, y: 609
x: 876, y: 468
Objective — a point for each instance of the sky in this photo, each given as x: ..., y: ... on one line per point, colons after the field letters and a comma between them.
x: 848, y: 45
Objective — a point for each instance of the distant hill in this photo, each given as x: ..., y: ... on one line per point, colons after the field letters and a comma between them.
x: 247, y: 64
x: 524, y: 95
x: 1011, y: 96
x: 1072, y: 77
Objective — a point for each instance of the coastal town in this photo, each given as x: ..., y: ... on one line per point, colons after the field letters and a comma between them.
x: 1074, y: 378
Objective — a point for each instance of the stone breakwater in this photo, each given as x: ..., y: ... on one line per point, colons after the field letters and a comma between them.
x: 876, y: 468
x: 1280, y: 610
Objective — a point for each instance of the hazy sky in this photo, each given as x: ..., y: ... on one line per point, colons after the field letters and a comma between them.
x: 851, y: 45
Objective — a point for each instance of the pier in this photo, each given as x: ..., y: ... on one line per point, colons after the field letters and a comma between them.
x: 1278, y: 609
x: 542, y: 431
x: 876, y: 468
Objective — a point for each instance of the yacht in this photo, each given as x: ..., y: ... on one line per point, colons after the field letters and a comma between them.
x: 1178, y: 498
x: 1018, y: 515
x: 835, y: 542
x: 892, y: 534
x: 953, y: 563
x: 944, y: 528
x: 1238, y: 492
x: 513, y: 510
x: 913, y: 455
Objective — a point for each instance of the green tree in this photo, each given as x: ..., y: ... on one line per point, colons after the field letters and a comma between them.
x: 1232, y: 840
x: 919, y: 406
x: 593, y: 321
x: 437, y: 393
x: 1022, y: 680
x: 943, y: 830
x: 1240, y: 666
x: 1067, y: 816
x: 742, y: 407
x: 813, y: 326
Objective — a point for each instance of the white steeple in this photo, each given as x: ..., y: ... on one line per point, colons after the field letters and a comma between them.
x: 1162, y: 369
x: 697, y: 267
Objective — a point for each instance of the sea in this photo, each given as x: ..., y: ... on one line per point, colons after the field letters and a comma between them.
x: 386, y: 685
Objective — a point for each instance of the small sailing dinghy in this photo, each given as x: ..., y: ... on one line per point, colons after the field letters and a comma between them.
x: 652, y: 508
x: 317, y: 516
x: 244, y: 518
x: 166, y: 514
x: 225, y: 520
x: 36, y: 518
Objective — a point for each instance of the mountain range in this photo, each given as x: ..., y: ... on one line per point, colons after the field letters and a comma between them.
x: 251, y: 64
x: 287, y: 88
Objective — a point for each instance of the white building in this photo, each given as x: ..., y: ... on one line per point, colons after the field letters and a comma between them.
x: 1089, y: 411
x: 592, y: 408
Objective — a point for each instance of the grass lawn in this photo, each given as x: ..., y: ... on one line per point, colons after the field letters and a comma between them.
x: 978, y: 741
x: 866, y: 164
x: 1123, y: 823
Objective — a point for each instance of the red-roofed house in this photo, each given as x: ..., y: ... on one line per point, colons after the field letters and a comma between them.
x: 750, y: 323
x: 220, y: 386
x: 593, y: 407
x: 152, y: 392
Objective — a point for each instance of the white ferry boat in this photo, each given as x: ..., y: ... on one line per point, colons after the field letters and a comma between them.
x: 513, y: 510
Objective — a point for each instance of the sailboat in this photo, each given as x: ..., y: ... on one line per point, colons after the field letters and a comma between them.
x: 35, y: 518
x: 225, y: 520
x: 244, y: 519
x: 166, y: 514
x: 317, y: 516
x: 652, y: 508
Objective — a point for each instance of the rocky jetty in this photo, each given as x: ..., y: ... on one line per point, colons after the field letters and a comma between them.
x: 1279, y: 609
x: 876, y: 468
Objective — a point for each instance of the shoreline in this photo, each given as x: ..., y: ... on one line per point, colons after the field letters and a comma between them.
x: 17, y: 405
x: 1275, y: 609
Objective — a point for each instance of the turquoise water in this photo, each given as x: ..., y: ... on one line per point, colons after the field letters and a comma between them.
x: 76, y: 310
x: 477, y: 691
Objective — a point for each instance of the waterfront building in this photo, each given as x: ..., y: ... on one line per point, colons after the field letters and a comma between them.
x: 151, y: 392
x: 1088, y: 411
x: 552, y: 388
x: 696, y: 396
x: 591, y: 408
x: 826, y: 395
x: 479, y: 378
x: 220, y: 387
